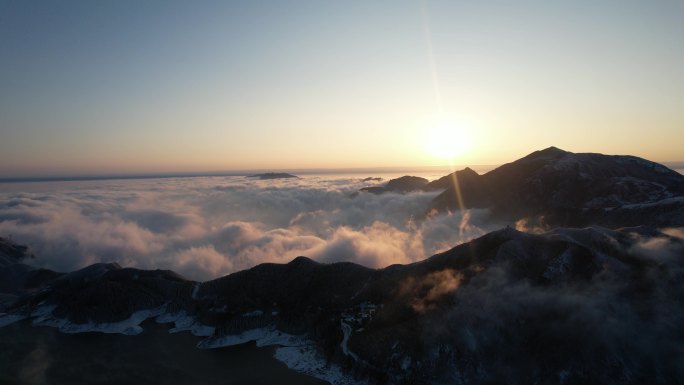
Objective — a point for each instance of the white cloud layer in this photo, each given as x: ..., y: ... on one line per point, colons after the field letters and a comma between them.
x: 208, y: 227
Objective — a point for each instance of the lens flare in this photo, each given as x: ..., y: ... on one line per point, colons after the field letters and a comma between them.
x: 446, y: 140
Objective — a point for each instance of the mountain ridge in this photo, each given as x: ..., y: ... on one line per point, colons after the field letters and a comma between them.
x: 308, y: 298
x: 567, y: 189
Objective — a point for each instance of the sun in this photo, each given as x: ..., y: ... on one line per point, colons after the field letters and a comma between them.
x: 446, y: 140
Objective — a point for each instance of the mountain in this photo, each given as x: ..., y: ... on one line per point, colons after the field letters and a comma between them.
x: 272, y: 175
x: 403, y: 184
x: 12, y: 253
x: 17, y: 277
x: 570, y: 189
x: 570, y: 306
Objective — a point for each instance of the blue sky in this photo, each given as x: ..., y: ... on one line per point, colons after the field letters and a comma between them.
x: 128, y: 86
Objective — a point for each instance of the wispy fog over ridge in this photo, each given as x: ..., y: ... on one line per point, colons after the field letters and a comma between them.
x: 206, y: 227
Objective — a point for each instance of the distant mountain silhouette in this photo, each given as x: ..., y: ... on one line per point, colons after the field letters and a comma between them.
x: 570, y: 189
x: 399, y: 185
x: 272, y: 175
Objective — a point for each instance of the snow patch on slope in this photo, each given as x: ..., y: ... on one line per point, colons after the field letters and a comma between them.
x: 185, y: 322
x: 346, y: 331
x: 7, y: 319
x: 307, y: 360
x: 296, y: 351
x: 267, y: 336
x: 130, y: 326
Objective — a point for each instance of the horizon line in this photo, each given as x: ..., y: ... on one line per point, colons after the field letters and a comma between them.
x: 675, y: 165
x: 219, y: 173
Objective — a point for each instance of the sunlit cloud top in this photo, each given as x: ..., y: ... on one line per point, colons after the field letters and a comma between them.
x: 207, y: 227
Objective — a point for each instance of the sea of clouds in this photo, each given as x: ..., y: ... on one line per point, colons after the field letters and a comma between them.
x: 205, y: 227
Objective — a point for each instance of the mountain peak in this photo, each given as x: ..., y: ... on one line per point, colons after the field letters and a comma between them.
x: 467, y: 171
x: 547, y: 153
x: 404, y: 184
x: 302, y: 260
x: 553, y: 149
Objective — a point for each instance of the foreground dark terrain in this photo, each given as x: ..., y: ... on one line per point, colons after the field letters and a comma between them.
x: 590, y: 293
x: 43, y: 355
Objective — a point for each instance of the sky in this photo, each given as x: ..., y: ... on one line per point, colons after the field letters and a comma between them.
x: 97, y: 87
